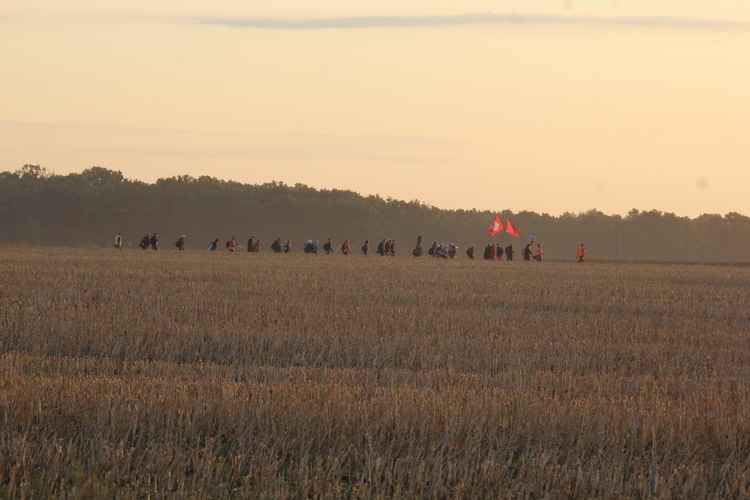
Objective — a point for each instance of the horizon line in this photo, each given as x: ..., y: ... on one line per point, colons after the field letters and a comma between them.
x: 431, y: 21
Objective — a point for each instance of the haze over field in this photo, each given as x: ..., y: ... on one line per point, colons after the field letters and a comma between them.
x: 549, y: 106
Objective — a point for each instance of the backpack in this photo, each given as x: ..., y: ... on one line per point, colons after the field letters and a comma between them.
x: 227, y: 244
x: 177, y: 243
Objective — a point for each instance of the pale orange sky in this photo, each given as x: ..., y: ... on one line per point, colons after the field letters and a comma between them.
x: 565, y: 106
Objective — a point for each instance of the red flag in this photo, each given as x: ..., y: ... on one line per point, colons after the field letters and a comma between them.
x: 510, y: 228
x: 496, y: 226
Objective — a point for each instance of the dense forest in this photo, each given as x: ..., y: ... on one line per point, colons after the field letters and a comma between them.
x: 90, y: 208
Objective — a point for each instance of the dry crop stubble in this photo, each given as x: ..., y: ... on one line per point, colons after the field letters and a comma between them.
x: 294, y: 375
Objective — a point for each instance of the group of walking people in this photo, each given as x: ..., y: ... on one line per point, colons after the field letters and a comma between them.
x: 387, y: 247
x: 149, y: 241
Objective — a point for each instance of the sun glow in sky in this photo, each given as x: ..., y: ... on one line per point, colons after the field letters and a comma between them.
x: 549, y: 106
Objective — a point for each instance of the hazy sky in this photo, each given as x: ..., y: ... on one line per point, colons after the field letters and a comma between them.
x: 549, y: 106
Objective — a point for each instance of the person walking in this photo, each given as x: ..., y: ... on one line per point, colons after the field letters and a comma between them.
x: 509, y: 252
x: 154, y: 242
x: 470, y: 252
x: 526, y: 252
x: 288, y: 246
x: 538, y: 254
x: 345, y: 249
x: 213, y: 245
x: 328, y: 247
x: 181, y: 242
x: 366, y: 247
x: 581, y: 254
x: 232, y: 244
x: 118, y: 241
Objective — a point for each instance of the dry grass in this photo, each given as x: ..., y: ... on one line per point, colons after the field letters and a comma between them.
x: 197, y: 374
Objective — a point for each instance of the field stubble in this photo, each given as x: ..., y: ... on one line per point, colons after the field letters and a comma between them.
x: 293, y: 376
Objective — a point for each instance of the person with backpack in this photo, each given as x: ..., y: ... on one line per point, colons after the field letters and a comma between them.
x: 144, y: 243
x: 251, y: 244
x: 499, y: 252
x: 366, y: 247
x: 470, y: 252
x: 328, y: 247
x: 213, y: 245
x: 276, y: 246
x: 181, y: 242
x: 288, y: 246
x: 526, y: 252
x: 154, y: 242
x: 433, y: 249
x: 381, y: 248
x: 232, y: 244
x: 509, y: 251
x: 581, y: 254
x: 345, y: 249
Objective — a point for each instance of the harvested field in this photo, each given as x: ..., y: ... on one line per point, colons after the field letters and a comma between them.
x: 217, y: 374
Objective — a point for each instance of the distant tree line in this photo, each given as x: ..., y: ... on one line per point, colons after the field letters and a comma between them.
x: 90, y: 208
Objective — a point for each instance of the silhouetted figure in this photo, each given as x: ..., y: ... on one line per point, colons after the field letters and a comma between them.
x: 181, y: 242
x: 366, y: 247
x: 433, y: 249
x: 487, y: 251
x: 213, y: 245
x: 499, y: 252
x: 276, y: 246
x: 381, y: 248
x: 288, y: 246
x: 526, y: 252
x: 328, y: 247
x: 144, y: 243
x: 452, y: 251
x: 470, y: 252
x: 154, y: 242
x: 118, y: 241
x: 581, y: 254
x: 251, y: 244
x: 509, y: 251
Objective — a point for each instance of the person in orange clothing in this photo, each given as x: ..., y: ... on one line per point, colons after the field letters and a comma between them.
x: 232, y: 244
x: 581, y: 255
x: 538, y: 253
